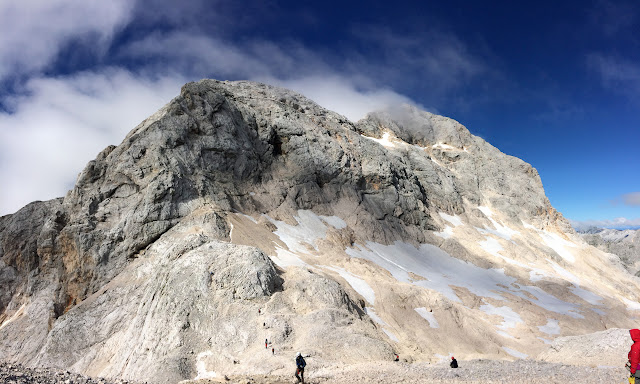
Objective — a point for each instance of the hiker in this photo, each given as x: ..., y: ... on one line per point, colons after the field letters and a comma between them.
x: 266, y: 342
x: 634, y: 356
x: 397, y: 358
x: 273, y: 351
x: 300, y: 364
x: 453, y: 363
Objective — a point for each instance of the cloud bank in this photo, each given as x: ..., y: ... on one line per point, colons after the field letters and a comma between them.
x: 32, y: 33
x: 617, y: 223
x: 52, y: 124
x: 65, y: 122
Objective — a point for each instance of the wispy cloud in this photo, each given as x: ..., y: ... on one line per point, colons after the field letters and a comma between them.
x: 63, y: 123
x: 613, y: 17
x: 618, y: 223
x: 630, y: 199
x: 33, y: 32
x: 56, y: 124
x: 618, y: 74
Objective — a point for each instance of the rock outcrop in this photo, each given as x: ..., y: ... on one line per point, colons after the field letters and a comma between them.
x: 241, y: 212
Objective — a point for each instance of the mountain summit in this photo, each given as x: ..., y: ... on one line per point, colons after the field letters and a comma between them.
x: 241, y: 212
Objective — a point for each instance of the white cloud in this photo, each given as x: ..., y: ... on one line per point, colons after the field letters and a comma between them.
x: 620, y: 222
x: 33, y: 31
x: 632, y: 199
x: 290, y: 66
x: 64, y: 123
x: 339, y: 94
x: 58, y: 124
x: 617, y: 74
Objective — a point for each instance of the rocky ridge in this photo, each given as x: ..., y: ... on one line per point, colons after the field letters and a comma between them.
x: 622, y: 243
x: 240, y: 212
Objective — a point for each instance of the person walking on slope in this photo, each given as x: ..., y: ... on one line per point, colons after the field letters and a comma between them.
x: 634, y: 356
x: 453, y: 363
x: 300, y: 364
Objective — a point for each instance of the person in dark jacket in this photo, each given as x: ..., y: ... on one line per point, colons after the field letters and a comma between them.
x: 453, y: 363
x: 300, y: 364
x: 634, y: 356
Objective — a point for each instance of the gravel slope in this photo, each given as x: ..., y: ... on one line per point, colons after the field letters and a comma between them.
x: 476, y: 371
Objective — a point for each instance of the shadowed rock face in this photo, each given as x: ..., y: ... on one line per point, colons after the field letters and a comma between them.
x: 142, y: 240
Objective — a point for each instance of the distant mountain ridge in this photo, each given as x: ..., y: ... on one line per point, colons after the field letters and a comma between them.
x: 624, y: 243
x: 241, y: 212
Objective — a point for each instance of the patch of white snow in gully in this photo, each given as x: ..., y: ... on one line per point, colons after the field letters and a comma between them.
x: 284, y: 259
x: 391, y: 335
x: 454, y: 220
x: 587, y: 296
x: 514, y: 353
x: 201, y: 367
x: 358, y: 284
x: 509, y: 317
x: 385, y: 141
x: 500, y: 230
x: 446, y: 233
x: 374, y: 316
x: 551, y: 328
x: 422, y: 311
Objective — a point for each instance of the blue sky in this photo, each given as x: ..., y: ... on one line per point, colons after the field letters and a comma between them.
x: 554, y: 83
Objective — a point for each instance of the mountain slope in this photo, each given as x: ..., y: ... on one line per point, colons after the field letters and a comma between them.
x: 401, y: 233
x: 622, y: 243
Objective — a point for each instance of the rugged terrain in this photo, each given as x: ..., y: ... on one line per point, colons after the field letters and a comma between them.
x: 241, y: 212
x: 622, y: 243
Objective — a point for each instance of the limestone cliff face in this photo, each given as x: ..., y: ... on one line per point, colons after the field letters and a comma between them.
x: 155, y: 264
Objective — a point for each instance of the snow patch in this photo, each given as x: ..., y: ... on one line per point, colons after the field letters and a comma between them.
x: 422, y: 311
x: 446, y: 147
x: 358, y: 284
x: 254, y: 221
x: 18, y: 313
x: 545, y: 340
x: 441, y: 272
x: 201, y: 367
x: 310, y: 227
x: 537, y: 274
x: 515, y: 353
x: 391, y: 335
x: 551, y: 328
x: 454, y: 220
x: 564, y: 273
x: 585, y: 295
x: 631, y: 305
x: 500, y: 230
x: 559, y: 245
x: 447, y: 233
x: 284, y: 259
x: 509, y: 317
x: 385, y: 141
x: 334, y: 221
x: 374, y: 316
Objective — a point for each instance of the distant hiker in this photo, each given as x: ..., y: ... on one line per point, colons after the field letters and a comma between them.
x: 397, y: 358
x: 258, y: 311
x: 453, y: 363
x: 273, y: 351
x: 300, y: 364
x: 266, y: 342
x: 634, y: 356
